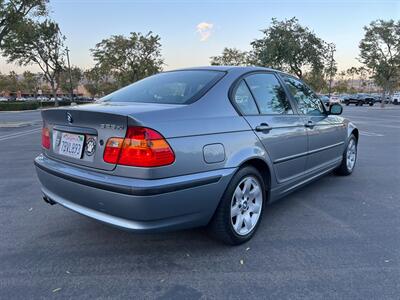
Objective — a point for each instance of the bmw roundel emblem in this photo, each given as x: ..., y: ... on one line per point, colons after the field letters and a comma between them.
x: 69, y: 118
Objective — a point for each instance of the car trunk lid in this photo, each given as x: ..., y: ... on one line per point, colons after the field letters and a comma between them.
x: 91, y: 125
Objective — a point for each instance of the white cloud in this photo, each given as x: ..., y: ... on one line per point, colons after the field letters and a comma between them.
x: 205, y: 30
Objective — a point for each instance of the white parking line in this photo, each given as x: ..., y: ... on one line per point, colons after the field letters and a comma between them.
x: 384, y: 119
x: 16, y: 124
x: 367, y: 133
x: 377, y: 124
x: 18, y: 134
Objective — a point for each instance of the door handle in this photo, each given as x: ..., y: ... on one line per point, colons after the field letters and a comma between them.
x: 263, y: 127
x: 309, y: 124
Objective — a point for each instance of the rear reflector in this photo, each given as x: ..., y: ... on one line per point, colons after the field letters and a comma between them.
x: 141, y: 147
x: 45, y: 138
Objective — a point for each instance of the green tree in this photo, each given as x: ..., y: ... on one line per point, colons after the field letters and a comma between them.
x: 30, y: 82
x: 380, y: 53
x: 15, y: 12
x: 10, y: 82
x: 41, y: 44
x: 342, y: 75
x: 65, y: 80
x: 45, y: 89
x: 231, y: 57
x: 3, y: 83
x: 342, y: 83
x: 321, y: 79
x: 98, y: 82
x: 292, y: 47
x: 351, y: 72
x: 316, y: 80
x: 363, y: 76
x: 131, y: 58
x: 13, y: 82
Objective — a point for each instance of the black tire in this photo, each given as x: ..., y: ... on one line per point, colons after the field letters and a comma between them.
x: 221, y: 227
x: 360, y: 103
x: 343, y: 169
x: 347, y: 103
x: 371, y: 104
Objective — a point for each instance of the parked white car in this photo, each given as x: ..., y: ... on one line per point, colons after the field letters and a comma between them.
x: 395, y: 98
x: 334, y: 99
x: 3, y: 99
x: 42, y: 98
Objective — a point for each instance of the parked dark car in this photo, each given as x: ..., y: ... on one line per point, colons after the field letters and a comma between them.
x: 378, y: 99
x: 83, y: 99
x: 360, y: 99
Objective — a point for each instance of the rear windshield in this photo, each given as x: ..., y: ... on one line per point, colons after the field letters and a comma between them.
x: 177, y: 87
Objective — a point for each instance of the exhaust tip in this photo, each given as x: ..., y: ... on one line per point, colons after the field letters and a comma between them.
x: 48, y: 200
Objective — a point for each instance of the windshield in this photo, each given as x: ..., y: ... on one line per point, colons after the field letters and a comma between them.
x: 177, y: 87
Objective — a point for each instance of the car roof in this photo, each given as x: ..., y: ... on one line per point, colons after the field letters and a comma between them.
x: 239, y: 69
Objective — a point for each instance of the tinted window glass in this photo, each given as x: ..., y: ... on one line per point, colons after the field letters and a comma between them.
x: 307, y: 101
x: 178, y: 87
x: 269, y: 94
x: 244, y: 100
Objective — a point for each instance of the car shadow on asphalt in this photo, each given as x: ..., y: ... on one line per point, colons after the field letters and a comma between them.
x: 276, y: 214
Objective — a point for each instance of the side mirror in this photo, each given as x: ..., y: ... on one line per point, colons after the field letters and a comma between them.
x: 335, y: 109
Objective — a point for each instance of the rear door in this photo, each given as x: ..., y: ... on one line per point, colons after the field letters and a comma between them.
x: 262, y: 100
x: 326, y: 133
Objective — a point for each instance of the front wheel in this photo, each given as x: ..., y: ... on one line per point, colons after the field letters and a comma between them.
x: 349, y: 158
x: 240, y: 210
x: 371, y: 104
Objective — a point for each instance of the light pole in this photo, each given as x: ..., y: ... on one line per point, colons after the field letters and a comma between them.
x: 332, y: 49
x: 70, y: 76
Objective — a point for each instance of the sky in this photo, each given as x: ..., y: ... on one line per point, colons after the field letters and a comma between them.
x: 192, y: 31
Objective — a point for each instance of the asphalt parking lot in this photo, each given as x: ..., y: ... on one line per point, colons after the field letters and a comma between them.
x: 338, y: 238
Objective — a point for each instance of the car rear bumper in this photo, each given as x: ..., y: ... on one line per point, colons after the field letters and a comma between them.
x: 134, y: 204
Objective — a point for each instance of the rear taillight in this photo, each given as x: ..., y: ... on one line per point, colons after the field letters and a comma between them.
x: 45, y: 138
x: 141, y: 147
x: 112, y: 150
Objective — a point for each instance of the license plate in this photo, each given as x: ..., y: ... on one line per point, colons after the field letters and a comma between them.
x: 71, y: 145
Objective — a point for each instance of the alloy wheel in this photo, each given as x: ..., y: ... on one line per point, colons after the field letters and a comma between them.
x: 246, y: 205
x: 351, y: 154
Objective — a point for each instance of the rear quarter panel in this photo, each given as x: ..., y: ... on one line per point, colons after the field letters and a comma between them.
x: 238, y: 145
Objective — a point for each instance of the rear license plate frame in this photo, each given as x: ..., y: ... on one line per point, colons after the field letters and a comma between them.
x: 71, y: 145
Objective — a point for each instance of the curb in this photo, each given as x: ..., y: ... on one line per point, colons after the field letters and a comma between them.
x: 21, y: 111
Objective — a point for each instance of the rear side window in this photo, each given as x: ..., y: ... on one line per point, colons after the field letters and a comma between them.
x: 244, y: 100
x: 269, y: 94
x: 177, y: 87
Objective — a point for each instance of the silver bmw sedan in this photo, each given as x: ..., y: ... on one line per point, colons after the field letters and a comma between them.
x: 207, y: 146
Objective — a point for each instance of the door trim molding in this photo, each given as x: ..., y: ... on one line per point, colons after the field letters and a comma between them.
x: 290, y: 157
